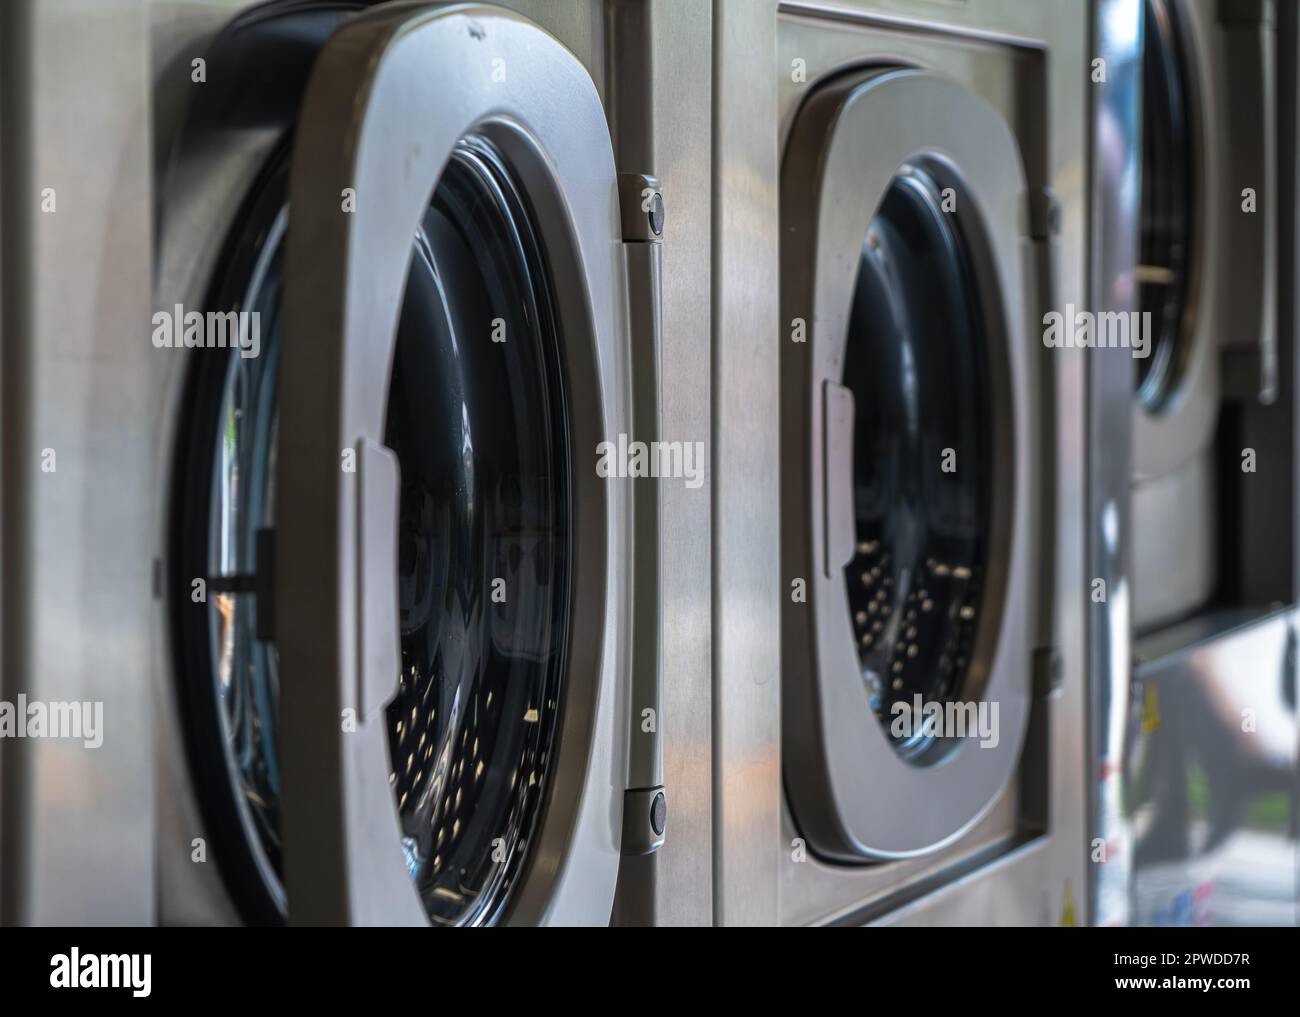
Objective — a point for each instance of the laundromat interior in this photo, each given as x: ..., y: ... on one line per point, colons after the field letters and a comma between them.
x: 649, y: 463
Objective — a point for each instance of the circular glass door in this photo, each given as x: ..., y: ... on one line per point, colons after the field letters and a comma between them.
x: 477, y: 419
x: 911, y: 461
x: 915, y: 360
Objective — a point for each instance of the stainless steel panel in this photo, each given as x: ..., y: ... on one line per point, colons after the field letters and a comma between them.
x: 1174, y: 522
x: 747, y: 585
x: 680, y: 114
x: 660, y: 106
x: 77, y: 823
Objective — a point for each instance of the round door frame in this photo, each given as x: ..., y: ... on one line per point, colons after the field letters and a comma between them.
x: 390, y: 96
x: 853, y: 796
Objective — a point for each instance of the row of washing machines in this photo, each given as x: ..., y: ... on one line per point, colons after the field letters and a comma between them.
x: 627, y: 413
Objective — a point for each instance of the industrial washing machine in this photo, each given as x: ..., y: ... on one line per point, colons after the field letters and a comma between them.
x: 396, y: 638
x: 1193, y: 467
x: 924, y: 187
x: 427, y: 468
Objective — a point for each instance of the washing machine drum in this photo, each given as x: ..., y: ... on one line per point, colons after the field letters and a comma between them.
x: 909, y: 469
x: 382, y: 503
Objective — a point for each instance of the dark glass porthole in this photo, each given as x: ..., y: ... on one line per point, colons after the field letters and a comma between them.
x: 480, y: 429
x: 477, y: 418
x: 916, y: 360
x: 1167, y: 201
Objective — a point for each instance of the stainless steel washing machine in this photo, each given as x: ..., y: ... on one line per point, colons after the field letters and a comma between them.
x: 410, y: 548
x: 397, y: 639
x: 1193, y: 464
x: 930, y: 210
x: 1208, y: 276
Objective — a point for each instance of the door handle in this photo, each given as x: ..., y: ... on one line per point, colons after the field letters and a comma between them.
x: 840, y: 521
x: 378, y: 653
x: 645, y: 804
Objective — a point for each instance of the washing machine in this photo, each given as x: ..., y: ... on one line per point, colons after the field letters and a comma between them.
x: 410, y: 637
x: 931, y: 214
x: 1193, y: 499
x: 1208, y: 276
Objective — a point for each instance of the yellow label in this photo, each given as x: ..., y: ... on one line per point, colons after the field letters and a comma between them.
x: 1069, y: 918
x: 1150, y: 711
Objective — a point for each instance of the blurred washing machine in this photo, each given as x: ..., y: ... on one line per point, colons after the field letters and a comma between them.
x: 1208, y: 277
x: 1193, y: 485
x: 410, y: 637
x: 931, y: 215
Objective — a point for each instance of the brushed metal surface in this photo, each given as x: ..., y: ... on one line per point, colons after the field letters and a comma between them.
x: 747, y: 585
x: 680, y: 83
x: 1175, y: 539
x: 660, y: 105
x: 77, y: 823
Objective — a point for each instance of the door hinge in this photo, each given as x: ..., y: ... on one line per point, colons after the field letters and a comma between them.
x: 1044, y: 214
x: 645, y: 817
x: 1047, y: 672
x: 641, y: 208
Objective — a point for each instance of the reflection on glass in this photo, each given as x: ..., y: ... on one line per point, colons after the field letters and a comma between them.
x: 915, y: 361
x: 1209, y: 782
x: 483, y: 546
x: 243, y: 501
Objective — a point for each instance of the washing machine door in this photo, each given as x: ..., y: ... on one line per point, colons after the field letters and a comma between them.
x: 449, y: 612
x: 911, y: 477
